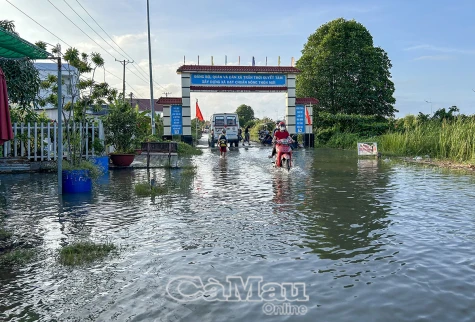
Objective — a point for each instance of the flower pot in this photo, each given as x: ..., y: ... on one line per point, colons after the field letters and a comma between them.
x: 76, y: 181
x: 138, y: 151
x: 122, y: 160
x: 101, y: 162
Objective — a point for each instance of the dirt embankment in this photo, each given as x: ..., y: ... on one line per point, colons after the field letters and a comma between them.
x: 441, y: 163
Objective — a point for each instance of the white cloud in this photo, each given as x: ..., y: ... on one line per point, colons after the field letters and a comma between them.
x: 441, y: 49
x: 434, y: 57
x: 130, y: 39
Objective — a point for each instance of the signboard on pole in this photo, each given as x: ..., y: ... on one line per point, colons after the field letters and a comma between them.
x: 300, y: 119
x: 176, y: 120
x: 215, y: 79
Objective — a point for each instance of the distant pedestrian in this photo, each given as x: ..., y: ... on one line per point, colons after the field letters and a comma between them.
x: 223, y: 143
x: 246, y: 136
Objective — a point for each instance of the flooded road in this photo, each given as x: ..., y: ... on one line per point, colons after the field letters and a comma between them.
x: 370, y: 240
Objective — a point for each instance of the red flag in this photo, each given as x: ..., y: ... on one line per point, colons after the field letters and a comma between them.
x: 199, y: 116
x: 309, y: 119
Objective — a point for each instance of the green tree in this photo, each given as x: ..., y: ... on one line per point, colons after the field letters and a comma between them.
x: 341, y: 67
x: 22, y: 77
x: 84, y: 94
x: 245, y: 113
x: 120, y: 126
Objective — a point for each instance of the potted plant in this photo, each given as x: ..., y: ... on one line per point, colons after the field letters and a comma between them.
x: 77, y: 173
x: 101, y: 160
x: 120, y: 128
x: 83, y: 94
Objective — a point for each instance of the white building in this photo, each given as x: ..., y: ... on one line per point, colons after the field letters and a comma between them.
x: 70, y: 78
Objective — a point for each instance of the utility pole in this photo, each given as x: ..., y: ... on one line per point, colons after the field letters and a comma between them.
x: 430, y: 106
x: 152, y: 103
x: 60, y: 125
x: 123, y: 62
x: 131, y: 94
x: 166, y: 94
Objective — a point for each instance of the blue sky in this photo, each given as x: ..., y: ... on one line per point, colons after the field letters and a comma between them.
x: 429, y: 42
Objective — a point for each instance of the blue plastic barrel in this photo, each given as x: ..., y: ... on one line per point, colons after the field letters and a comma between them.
x: 76, y: 181
x: 101, y: 162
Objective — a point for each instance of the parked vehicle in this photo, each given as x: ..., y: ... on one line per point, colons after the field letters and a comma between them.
x: 228, y: 121
x: 265, y: 138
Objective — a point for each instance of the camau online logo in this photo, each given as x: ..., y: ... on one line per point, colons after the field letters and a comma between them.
x: 279, y: 298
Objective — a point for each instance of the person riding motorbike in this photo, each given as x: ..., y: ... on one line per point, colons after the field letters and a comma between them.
x: 274, y: 151
x: 281, y: 135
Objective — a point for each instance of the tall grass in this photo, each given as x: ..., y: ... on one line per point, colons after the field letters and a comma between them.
x: 186, y: 149
x: 84, y: 252
x: 453, y: 140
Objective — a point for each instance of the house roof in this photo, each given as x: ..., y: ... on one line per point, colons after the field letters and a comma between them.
x: 238, y: 69
x: 306, y: 100
x: 169, y: 101
x: 13, y: 46
x: 144, y: 104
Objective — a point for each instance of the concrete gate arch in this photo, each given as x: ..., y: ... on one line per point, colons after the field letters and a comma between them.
x: 236, y: 79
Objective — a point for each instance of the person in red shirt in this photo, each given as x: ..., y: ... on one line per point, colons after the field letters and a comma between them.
x: 280, y: 135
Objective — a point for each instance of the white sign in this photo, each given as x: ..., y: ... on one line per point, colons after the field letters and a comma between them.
x: 366, y: 148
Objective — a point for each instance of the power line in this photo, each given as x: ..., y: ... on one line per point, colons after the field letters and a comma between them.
x: 91, y: 27
x: 125, y: 82
x: 88, y: 37
x: 138, y: 76
x: 80, y: 29
x: 96, y: 33
x: 103, y: 30
x: 146, y: 74
x: 63, y: 67
x: 38, y: 23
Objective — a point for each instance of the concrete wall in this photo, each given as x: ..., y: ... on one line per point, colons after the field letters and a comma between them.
x: 186, y: 109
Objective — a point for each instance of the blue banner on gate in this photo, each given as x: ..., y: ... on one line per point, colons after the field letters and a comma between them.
x: 239, y: 79
x: 300, y: 118
x: 176, y: 120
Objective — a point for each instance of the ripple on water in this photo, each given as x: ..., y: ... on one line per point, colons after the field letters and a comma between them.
x: 371, y: 241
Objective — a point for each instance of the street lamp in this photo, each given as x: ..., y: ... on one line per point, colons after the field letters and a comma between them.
x: 430, y: 106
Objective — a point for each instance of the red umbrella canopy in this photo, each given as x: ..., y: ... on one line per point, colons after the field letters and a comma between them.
x: 6, y: 132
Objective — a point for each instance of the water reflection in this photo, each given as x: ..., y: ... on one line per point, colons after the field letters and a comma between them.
x: 281, y: 187
x: 347, y: 218
x: 358, y: 233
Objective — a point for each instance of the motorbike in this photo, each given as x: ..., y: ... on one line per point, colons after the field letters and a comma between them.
x: 265, y: 138
x: 284, y: 154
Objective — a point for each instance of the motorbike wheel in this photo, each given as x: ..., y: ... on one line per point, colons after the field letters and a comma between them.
x: 288, y: 164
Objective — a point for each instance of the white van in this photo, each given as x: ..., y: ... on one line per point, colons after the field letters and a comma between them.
x: 228, y: 121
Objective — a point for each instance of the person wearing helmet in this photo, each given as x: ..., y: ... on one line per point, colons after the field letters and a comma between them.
x: 276, y: 128
x: 280, y: 135
x: 274, y: 151
x: 223, y: 143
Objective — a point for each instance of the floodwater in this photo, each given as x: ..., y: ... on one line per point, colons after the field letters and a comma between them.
x: 367, y: 240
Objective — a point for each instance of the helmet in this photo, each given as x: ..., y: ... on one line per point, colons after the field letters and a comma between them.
x: 282, y: 126
x: 224, y: 131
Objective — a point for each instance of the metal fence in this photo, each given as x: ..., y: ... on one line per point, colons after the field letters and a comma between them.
x: 39, y: 141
